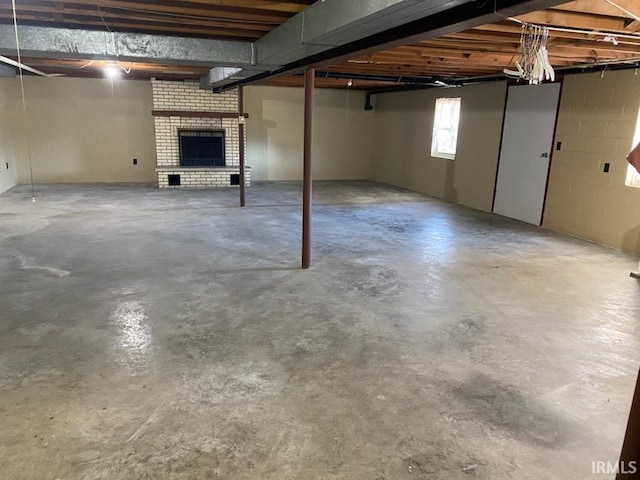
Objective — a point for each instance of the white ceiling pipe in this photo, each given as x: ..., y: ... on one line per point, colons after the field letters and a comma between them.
x: 13, y: 63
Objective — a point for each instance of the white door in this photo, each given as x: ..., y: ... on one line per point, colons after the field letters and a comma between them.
x: 527, y: 139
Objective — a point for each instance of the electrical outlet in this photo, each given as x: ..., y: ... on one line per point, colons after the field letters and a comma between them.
x: 606, y: 168
x: 135, y: 161
x: 558, y: 145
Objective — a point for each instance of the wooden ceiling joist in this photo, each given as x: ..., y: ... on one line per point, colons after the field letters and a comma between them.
x: 484, y: 50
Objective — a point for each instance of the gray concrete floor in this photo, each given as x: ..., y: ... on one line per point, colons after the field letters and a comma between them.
x: 169, y: 334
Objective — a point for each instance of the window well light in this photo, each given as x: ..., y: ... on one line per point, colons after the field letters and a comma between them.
x: 446, y: 121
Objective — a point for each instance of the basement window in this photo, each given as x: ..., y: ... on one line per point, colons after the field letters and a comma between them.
x: 633, y: 177
x: 445, y: 128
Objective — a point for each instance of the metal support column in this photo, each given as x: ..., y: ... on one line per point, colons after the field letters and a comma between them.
x: 309, y: 85
x: 630, y: 457
x: 241, y: 120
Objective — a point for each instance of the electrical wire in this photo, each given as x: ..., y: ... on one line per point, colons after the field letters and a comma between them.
x: 103, y: 20
x: 24, y: 99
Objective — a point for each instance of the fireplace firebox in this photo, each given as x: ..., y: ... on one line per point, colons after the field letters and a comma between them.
x: 201, y: 148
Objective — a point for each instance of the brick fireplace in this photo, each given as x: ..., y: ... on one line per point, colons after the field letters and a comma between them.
x: 183, y: 109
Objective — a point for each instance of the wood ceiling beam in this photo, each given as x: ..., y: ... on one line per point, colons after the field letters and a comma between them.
x: 489, y: 45
x: 297, y: 82
x: 557, y: 52
x: 58, y: 11
x: 34, y: 13
x: 633, y: 27
x: 574, y: 20
x: 290, y: 7
x: 430, y: 55
x: 483, y: 50
x: 577, y: 46
x: 158, y: 24
x: 169, y: 28
x: 559, y: 56
x: 252, y: 7
x: 493, y: 62
x: 514, y: 28
x: 600, y: 7
x: 179, y: 9
x: 465, y: 41
x: 488, y: 35
x: 493, y: 58
x: 424, y: 70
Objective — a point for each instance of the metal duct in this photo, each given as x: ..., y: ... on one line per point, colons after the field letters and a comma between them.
x: 337, y: 29
x: 224, y: 75
x: 49, y: 42
x: 330, y: 23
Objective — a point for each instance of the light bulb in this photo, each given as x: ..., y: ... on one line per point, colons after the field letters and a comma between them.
x: 350, y: 83
x: 111, y: 70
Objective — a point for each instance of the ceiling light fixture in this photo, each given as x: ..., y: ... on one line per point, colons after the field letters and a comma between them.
x: 112, y: 70
x: 350, y: 83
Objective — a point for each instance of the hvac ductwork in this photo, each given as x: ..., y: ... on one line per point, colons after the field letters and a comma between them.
x: 323, y: 26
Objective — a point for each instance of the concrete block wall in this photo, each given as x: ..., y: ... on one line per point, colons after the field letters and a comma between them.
x: 402, y: 143
x: 596, y: 124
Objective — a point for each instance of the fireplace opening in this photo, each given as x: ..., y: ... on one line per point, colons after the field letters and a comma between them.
x: 201, y: 148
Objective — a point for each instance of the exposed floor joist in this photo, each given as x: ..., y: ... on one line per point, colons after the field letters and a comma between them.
x: 480, y: 51
x: 237, y: 20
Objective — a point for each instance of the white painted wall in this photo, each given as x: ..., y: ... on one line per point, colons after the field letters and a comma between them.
x: 342, y: 136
